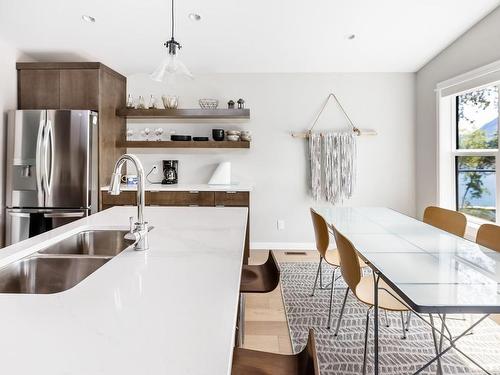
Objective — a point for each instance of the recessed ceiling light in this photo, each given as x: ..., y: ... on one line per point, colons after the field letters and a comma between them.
x: 351, y: 37
x: 88, y: 18
x: 194, y: 17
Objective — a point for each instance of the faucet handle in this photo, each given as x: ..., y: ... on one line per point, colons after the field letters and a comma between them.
x: 131, y: 223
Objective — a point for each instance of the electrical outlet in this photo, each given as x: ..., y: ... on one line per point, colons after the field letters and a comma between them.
x: 280, y: 224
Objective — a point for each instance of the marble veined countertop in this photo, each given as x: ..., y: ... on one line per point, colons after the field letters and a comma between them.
x: 167, y: 310
x: 186, y: 187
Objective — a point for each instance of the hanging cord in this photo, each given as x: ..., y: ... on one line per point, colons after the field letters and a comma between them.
x: 147, y: 176
x: 173, y: 19
x: 332, y: 95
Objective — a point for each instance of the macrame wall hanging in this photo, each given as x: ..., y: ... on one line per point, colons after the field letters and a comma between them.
x: 332, y: 157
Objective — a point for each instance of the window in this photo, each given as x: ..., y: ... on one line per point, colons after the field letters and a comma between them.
x: 475, y: 152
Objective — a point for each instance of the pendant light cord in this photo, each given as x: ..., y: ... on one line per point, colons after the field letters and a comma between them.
x: 172, y: 19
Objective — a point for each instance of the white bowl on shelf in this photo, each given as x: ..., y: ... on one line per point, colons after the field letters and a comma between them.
x: 233, y: 138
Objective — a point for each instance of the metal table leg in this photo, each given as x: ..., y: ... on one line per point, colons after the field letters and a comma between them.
x: 375, y: 322
x: 452, y: 342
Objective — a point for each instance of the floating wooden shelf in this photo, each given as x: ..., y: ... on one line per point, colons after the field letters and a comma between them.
x: 184, y: 113
x: 183, y: 144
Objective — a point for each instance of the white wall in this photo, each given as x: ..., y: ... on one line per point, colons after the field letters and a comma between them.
x: 8, y: 100
x: 276, y: 162
x: 477, y: 47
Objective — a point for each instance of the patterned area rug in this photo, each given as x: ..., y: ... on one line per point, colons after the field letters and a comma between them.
x: 343, y: 355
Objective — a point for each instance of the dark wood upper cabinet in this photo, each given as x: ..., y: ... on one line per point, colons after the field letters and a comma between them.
x: 38, y: 89
x: 79, y: 89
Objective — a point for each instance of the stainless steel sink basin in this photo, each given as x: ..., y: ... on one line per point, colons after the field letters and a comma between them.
x: 94, y: 242
x: 64, y: 264
x: 44, y: 275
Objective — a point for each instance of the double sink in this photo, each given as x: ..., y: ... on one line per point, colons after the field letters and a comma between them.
x: 64, y: 264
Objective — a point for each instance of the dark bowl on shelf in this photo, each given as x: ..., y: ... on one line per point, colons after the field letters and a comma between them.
x: 200, y: 139
x: 180, y: 137
x: 218, y: 134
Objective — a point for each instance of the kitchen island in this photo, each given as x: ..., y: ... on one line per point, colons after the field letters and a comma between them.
x: 167, y: 310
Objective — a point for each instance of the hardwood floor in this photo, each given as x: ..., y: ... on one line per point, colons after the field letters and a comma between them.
x: 266, y: 327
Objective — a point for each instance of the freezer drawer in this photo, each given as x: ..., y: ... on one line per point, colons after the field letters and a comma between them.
x: 21, y: 224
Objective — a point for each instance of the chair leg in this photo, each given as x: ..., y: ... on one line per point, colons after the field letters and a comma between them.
x: 241, y: 321
x: 320, y: 273
x: 403, y: 325
x: 331, y: 297
x: 408, y: 321
x: 367, y: 326
x: 317, y: 273
x: 341, y: 312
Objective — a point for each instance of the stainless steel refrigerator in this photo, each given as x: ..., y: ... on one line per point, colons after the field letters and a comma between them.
x: 51, y: 173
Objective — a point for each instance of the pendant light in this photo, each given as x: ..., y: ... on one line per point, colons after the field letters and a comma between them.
x: 171, y: 65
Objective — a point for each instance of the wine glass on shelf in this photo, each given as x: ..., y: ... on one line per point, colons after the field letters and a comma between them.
x: 146, y: 131
x: 130, y: 134
x: 158, y: 133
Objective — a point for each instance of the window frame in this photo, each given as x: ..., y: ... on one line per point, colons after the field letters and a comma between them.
x: 456, y: 152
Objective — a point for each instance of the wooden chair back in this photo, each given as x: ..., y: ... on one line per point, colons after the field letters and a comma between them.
x: 488, y: 236
x: 308, y: 358
x: 349, y: 261
x: 270, y: 273
x: 320, y: 232
x: 448, y: 220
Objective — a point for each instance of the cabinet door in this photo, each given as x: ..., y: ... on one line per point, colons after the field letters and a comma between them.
x: 126, y: 198
x: 79, y: 89
x: 181, y: 198
x: 232, y: 198
x: 38, y: 89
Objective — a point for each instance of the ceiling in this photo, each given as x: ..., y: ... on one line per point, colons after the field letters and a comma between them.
x: 243, y: 35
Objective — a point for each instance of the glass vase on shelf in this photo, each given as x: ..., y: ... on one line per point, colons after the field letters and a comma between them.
x: 153, y: 104
x: 130, y: 102
x: 141, y: 104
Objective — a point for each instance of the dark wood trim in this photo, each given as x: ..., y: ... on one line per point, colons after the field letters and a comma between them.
x: 188, y: 113
x: 182, y: 144
x: 67, y: 65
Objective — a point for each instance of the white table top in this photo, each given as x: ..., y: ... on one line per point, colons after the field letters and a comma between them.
x: 432, y: 270
x: 168, y: 310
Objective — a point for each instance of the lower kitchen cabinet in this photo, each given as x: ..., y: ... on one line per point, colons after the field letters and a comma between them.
x: 185, y: 199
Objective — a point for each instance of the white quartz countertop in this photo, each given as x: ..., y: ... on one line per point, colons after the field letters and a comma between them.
x: 186, y: 187
x: 168, y: 310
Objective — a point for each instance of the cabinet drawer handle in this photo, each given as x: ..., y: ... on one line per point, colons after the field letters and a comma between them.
x: 231, y: 192
x: 194, y: 205
x: 194, y: 192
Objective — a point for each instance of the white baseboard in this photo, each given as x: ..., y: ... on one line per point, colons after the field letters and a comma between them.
x: 282, y: 246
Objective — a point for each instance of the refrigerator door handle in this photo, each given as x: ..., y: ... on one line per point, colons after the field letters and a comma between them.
x: 38, y: 155
x: 48, y: 157
x: 64, y: 214
x: 18, y: 214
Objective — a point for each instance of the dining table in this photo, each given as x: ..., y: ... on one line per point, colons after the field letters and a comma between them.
x: 433, y: 272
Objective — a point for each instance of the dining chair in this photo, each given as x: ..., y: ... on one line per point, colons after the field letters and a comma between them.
x: 253, y: 362
x: 261, y: 278
x: 488, y: 235
x: 331, y: 257
x: 448, y: 220
x: 362, y: 287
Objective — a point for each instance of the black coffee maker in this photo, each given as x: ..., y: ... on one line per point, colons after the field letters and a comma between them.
x: 170, y: 171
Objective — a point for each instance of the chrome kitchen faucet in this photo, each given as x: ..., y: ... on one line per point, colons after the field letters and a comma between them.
x: 138, y: 230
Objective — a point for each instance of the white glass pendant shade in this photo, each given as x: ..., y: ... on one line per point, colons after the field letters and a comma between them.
x: 170, y: 66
